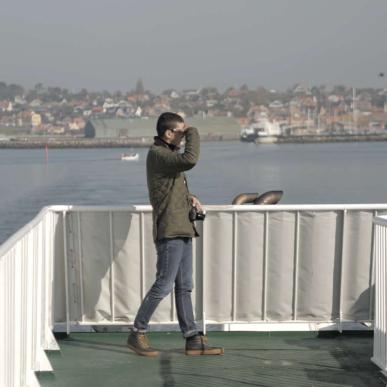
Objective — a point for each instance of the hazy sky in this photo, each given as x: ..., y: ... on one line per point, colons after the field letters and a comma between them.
x: 190, y: 43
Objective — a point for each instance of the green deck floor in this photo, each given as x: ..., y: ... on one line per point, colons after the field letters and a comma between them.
x: 250, y: 359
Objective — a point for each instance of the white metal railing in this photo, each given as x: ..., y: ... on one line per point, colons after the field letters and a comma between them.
x: 285, y: 267
x: 380, y: 326
x: 26, y: 281
x: 255, y: 267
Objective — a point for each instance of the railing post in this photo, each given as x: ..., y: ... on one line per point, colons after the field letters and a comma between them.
x: 3, y: 313
x: 17, y: 340
x: 38, y: 296
x: 80, y: 263
x: 234, y: 263
x: 4, y: 318
x: 142, y: 256
x: 204, y: 246
x: 372, y: 270
x: 194, y: 262
x: 112, y: 300
x: 384, y: 317
x: 295, y: 271
x: 265, y: 257
x: 377, y: 335
x: 49, y: 340
x: 341, y: 272
x: 28, y: 298
x: 66, y: 272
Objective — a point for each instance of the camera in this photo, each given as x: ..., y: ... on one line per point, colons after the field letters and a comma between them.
x: 195, y: 214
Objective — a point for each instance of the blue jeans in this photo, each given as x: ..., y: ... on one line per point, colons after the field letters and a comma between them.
x: 174, y: 265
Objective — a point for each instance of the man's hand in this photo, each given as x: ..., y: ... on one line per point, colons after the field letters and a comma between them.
x: 196, y: 203
x: 181, y: 128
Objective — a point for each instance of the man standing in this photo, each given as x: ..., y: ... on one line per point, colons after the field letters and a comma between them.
x: 172, y: 232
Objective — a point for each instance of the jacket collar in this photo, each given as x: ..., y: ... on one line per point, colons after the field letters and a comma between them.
x: 160, y: 142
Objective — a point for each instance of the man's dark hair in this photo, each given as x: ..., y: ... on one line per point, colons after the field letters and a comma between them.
x: 167, y: 121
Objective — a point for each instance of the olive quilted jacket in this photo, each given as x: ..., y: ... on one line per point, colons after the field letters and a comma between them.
x: 167, y: 185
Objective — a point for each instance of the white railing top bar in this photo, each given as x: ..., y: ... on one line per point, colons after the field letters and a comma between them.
x: 7, y: 245
x: 230, y: 207
x: 14, y: 238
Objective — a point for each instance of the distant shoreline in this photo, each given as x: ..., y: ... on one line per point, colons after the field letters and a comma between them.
x: 74, y: 143
x: 64, y: 143
x: 84, y: 143
x: 307, y: 139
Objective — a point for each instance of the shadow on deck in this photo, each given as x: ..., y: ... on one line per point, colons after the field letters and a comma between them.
x: 251, y: 359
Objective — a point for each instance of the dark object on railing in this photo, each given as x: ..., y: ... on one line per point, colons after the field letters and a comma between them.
x: 244, y: 198
x: 269, y: 197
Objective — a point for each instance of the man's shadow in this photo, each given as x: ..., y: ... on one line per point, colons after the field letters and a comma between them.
x: 90, y: 257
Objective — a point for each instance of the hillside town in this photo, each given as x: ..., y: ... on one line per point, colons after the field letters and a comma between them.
x: 299, y: 110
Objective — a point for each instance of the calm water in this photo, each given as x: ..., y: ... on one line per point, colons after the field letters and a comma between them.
x: 312, y: 173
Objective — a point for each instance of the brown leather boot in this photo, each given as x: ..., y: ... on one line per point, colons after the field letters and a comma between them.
x: 198, y: 345
x: 138, y: 342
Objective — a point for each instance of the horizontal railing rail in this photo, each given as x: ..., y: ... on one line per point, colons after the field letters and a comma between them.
x: 225, y: 207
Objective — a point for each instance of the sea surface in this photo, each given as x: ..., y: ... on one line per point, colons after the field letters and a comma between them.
x: 307, y: 173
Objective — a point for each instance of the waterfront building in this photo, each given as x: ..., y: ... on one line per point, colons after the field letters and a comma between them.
x: 209, y: 127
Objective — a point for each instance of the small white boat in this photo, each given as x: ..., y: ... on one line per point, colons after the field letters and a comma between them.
x: 130, y: 157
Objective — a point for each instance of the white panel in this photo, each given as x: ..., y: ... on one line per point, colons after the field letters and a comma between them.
x: 96, y: 266
x: 218, y: 266
x: 319, y: 266
x: 356, y: 265
x: 280, y: 266
x: 127, y: 274
x: 249, y: 284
